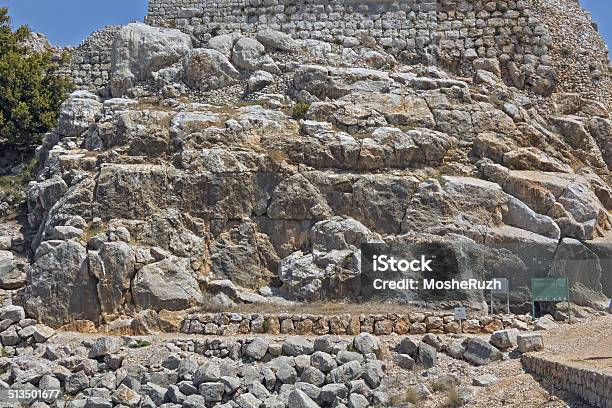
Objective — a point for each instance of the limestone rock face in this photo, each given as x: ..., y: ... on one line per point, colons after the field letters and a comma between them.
x: 165, y: 285
x: 60, y: 288
x: 252, y: 168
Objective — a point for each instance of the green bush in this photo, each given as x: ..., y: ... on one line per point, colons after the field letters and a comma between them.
x: 299, y: 110
x: 31, y: 91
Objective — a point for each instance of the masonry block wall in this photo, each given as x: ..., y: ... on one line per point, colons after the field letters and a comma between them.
x: 459, y: 29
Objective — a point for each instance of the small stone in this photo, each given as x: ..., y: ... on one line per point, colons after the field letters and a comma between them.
x: 313, y: 376
x: 208, y: 372
x: 323, y: 361
x: 42, y: 333
x: 212, y: 391
x: 485, y: 380
x: 76, y: 382
x: 404, y: 361
x: 248, y: 400
x: 358, y: 401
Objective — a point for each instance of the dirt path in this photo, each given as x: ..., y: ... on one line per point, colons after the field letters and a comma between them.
x: 587, y: 344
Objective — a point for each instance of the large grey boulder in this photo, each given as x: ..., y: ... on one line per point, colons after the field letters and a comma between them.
x: 166, y: 284
x: 276, y: 40
x: 60, y: 288
x: 504, y: 339
x: 528, y: 342
x: 78, y: 112
x: 206, y: 70
x: 249, y: 54
x: 224, y: 43
x: 139, y: 50
x: 427, y: 356
x: 259, y: 80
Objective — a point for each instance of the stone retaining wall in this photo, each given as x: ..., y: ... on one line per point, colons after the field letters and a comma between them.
x: 384, y: 324
x: 592, y: 386
x: 449, y: 30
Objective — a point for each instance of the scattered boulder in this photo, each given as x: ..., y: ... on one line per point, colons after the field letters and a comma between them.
x: 530, y: 342
x: 504, y: 339
x: 480, y: 352
x: 276, y: 40
x: 485, y: 380
x: 249, y: 54
x: 427, y: 355
x: 259, y: 80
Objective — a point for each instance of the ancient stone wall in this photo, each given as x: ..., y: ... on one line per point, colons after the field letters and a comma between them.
x: 453, y: 30
x: 90, y: 62
x: 590, y: 385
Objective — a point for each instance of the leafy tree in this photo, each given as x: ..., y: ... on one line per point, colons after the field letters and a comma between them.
x: 31, y: 89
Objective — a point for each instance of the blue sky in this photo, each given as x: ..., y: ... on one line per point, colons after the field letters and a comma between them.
x: 68, y: 22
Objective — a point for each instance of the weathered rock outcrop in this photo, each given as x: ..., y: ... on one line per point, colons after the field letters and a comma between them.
x: 267, y: 162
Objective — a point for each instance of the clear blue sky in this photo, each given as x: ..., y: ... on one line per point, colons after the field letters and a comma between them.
x: 68, y: 22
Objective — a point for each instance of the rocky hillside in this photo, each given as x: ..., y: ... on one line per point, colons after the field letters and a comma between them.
x: 266, y: 161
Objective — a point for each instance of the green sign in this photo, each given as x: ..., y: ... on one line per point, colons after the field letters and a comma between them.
x: 550, y: 290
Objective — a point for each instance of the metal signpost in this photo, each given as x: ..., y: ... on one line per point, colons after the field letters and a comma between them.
x: 460, y: 314
x: 550, y: 290
x: 504, y: 290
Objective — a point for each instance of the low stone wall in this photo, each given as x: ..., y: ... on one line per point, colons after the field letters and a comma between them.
x: 384, y: 324
x: 592, y: 386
